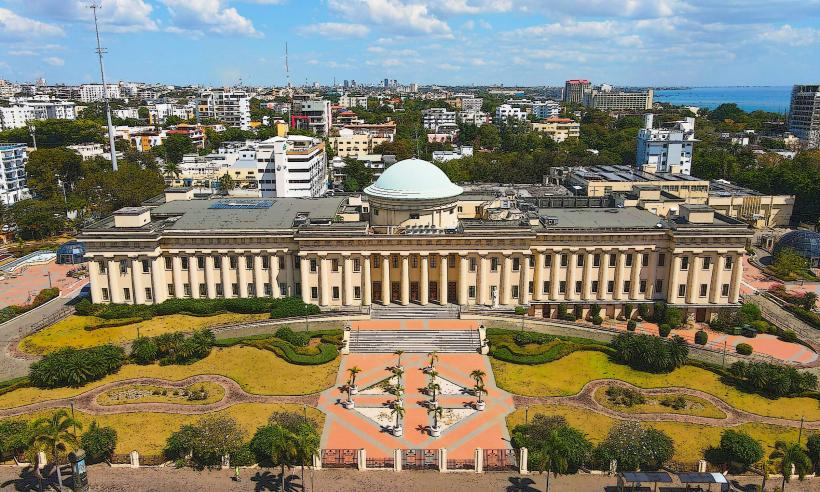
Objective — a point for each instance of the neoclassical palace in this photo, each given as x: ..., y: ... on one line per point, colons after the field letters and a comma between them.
x: 415, y: 237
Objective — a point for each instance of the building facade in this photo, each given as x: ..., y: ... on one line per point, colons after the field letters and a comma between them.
x: 13, y: 159
x: 312, y: 114
x: 666, y: 150
x: 438, y: 119
x: 505, y: 112
x: 413, y: 238
x: 94, y: 92
x: 576, y: 90
x: 804, y: 114
x: 227, y: 106
x: 609, y: 100
x: 559, y: 129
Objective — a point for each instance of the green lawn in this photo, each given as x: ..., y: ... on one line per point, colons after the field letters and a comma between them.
x: 568, y: 375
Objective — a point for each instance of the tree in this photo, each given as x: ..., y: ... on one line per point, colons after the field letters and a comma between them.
x: 478, y: 376
x: 437, y: 412
x: 171, y: 169
x: 353, y: 371
x: 307, y: 446
x: 14, y: 437
x: 813, y: 448
x: 738, y: 450
x: 634, y: 447
x: 489, y: 136
x: 52, y: 434
x: 283, y: 450
x: 143, y: 113
x: 47, y: 166
x: 99, y: 442
x: 176, y: 146
x: 56, y: 133
x: 788, y: 264
x: 398, y: 353
x: 144, y: 350
x: 539, y: 429
x: 226, y: 182
x: 552, y: 454
x: 36, y: 219
x: 791, y: 454
x: 398, y: 411
x: 207, y: 441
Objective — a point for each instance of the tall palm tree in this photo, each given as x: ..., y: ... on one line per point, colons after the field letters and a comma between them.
x: 552, y: 455
x: 53, y: 434
x: 398, y: 372
x: 353, y: 371
x: 399, y: 413
x: 433, y: 375
x: 433, y: 388
x: 171, y: 170
x: 437, y: 413
x: 283, y: 448
x: 398, y: 353
x: 791, y: 453
x: 479, y: 389
x: 307, y: 446
x: 478, y: 376
x: 433, y: 358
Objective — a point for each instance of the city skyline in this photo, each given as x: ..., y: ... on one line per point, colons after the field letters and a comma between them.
x: 626, y: 42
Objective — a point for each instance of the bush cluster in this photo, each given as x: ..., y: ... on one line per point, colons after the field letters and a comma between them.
x: 674, y: 402
x: 631, y: 325
x: 522, y: 338
x: 173, y: 348
x: 664, y: 330
x: 744, y: 349
x: 650, y: 353
x: 625, y: 397
x: 701, y: 337
x: 42, y: 297
x: 564, y: 314
x: 285, y: 307
x: 99, y: 442
x: 773, y: 380
x: 76, y: 367
x: 297, y: 339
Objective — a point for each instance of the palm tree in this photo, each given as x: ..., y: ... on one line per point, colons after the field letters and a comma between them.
x: 171, y: 170
x: 433, y: 358
x: 437, y: 413
x: 433, y: 388
x: 307, y: 446
x: 791, y: 454
x: 478, y: 376
x: 552, y: 455
x: 52, y: 434
x: 399, y: 413
x: 353, y: 371
x: 398, y: 372
x: 399, y: 352
x: 479, y: 389
x: 433, y: 375
x: 283, y: 448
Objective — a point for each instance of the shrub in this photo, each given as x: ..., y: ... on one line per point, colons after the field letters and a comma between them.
x: 76, y: 367
x: 748, y: 313
x: 626, y: 397
x: 650, y: 353
x: 326, y: 352
x: 644, y: 311
x: 597, y: 320
x: 674, y: 317
x: 206, y: 442
x: 674, y: 402
x: 577, y: 312
x: 14, y: 436
x: 760, y: 325
x: 628, y: 308
x: 631, y: 325
x: 99, y: 442
x: 664, y: 330
x: 289, y: 307
x: 701, y: 337
x: 634, y: 447
x: 173, y: 348
x: 42, y: 297
x: 83, y: 308
x: 738, y: 450
x: 595, y: 311
x: 297, y: 339
x: 659, y: 311
x: 744, y: 349
x: 562, y: 311
x: 520, y: 310
x: 772, y: 380
x: 144, y: 350
x: 522, y: 338
x: 788, y: 336
x: 576, y: 447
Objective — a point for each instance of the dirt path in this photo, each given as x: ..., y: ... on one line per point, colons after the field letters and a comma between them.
x: 87, y: 402
x: 585, y: 399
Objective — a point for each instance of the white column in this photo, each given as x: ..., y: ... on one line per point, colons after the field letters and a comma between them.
x: 572, y: 266
x: 367, y: 283
x: 619, y: 276
x: 442, y: 278
x: 737, y: 273
x: 463, y: 269
x: 258, y: 276
x: 242, y: 275
x: 347, y: 279
x: 210, y: 282
x: 273, y: 264
x: 386, y: 287
x: 114, y: 281
x: 672, y: 279
x: 159, y: 287
x: 524, y: 287
x: 538, y: 277
x: 405, y: 279
x: 193, y: 276
x: 424, y: 281
x: 586, y: 280
x: 650, y: 276
x: 323, y: 280
x: 714, y: 284
x: 635, y: 278
x: 290, y: 274
x: 483, y: 280
x: 304, y: 270
x: 692, y: 287
x: 176, y: 273
x: 506, y: 273
x: 96, y: 281
x: 136, y: 279
x: 603, y: 275
x: 226, y: 276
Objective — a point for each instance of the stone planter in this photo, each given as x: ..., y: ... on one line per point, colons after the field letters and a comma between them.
x: 480, y: 405
x: 435, y: 431
x: 349, y: 404
x: 354, y: 390
x: 398, y: 403
x: 398, y: 431
x: 432, y: 404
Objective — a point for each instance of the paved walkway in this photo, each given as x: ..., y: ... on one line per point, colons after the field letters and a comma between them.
x: 30, y: 280
x: 351, y: 429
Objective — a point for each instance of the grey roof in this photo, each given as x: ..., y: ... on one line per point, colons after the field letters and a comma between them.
x: 651, y: 477
x: 196, y: 214
x: 623, y: 173
x: 601, y: 218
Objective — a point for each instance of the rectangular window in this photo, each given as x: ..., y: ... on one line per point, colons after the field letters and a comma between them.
x: 578, y: 286
x: 314, y: 292
x: 703, y: 289
x: 334, y: 264
x: 220, y: 291
x: 579, y: 260
x: 357, y: 292
x: 661, y: 259
x: 684, y: 263
x: 234, y: 262
x: 217, y: 262
x: 658, y: 285
x: 357, y: 265
x: 531, y: 261
x: 249, y: 263
x: 281, y: 260
x: 642, y: 287
x: 283, y: 289
x: 451, y: 260
x: 377, y: 261
x: 530, y: 287
x: 471, y: 291
x: 728, y: 262
x: 707, y: 262
x: 562, y: 287
x: 627, y: 285
x: 102, y: 266
x: 629, y: 259
x: 433, y: 261
x: 335, y: 292
x: 514, y: 291
x: 126, y: 293
x: 516, y: 264
x: 200, y: 262
x: 414, y: 261
x: 612, y: 259
x: 169, y: 263
x: 171, y: 290
x: 313, y: 265
x: 564, y: 260
x: 184, y: 261
x: 251, y: 289
x: 610, y: 286
x: 473, y: 264
x: 123, y: 266
x: 645, y: 259
x: 203, y: 290
x: 186, y: 288
x: 596, y: 260
x: 395, y: 260
x: 724, y: 290
x: 146, y: 266
x: 266, y: 262
x: 547, y: 260
x: 234, y: 289
x: 149, y: 295
x: 681, y: 290
x: 104, y: 293
x: 594, y: 286
x: 494, y: 264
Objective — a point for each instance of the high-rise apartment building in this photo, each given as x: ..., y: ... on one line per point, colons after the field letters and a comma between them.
x: 227, y: 106
x: 312, y: 114
x: 804, y: 114
x: 666, y: 150
x: 608, y: 100
x: 94, y: 92
x: 293, y: 167
x: 575, y: 90
x: 13, y: 187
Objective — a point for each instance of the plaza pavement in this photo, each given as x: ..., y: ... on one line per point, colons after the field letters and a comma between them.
x: 21, y: 287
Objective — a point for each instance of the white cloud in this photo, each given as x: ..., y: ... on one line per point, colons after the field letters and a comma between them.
x: 13, y: 26
x: 397, y: 15
x: 792, y: 36
x: 54, y: 61
x: 113, y: 16
x: 448, y: 66
x: 335, y: 30
x: 197, y: 16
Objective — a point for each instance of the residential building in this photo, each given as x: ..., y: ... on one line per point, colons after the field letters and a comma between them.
x: 609, y: 100
x: 559, y: 129
x: 294, y: 166
x: 545, y: 109
x: 439, y: 120
x: 505, y: 112
x: 13, y: 159
x: 576, y: 90
x: 94, y: 92
x: 159, y: 112
x: 666, y: 150
x: 195, y: 132
x: 414, y: 87
x: 125, y: 113
x: 89, y: 150
x: 471, y: 104
x: 145, y: 140
x: 231, y: 107
x: 313, y: 115
x: 22, y: 110
x: 804, y: 114
x: 360, y: 140
x: 476, y: 118
x: 353, y: 101
x: 413, y: 240
x: 451, y: 155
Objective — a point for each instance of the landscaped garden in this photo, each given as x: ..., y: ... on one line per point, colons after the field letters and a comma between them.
x: 195, y: 394
x: 627, y: 400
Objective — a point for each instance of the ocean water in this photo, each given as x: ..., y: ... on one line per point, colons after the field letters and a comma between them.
x: 768, y: 98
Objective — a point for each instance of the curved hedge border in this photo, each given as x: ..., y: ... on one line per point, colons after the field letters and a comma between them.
x: 506, y: 351
x: 284, y: 307
x: 327, y: 352
x: 13, y: 384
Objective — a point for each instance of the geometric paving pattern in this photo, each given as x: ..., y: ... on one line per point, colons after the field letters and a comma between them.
x: 368, y: 426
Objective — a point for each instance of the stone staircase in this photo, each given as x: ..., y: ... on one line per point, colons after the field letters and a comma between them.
x: 414, y: 341
x: 414, y: 311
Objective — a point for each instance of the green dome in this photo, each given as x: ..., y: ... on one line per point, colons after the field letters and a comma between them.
x: 413, y: 179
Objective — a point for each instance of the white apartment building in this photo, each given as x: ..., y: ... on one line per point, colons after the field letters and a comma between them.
x: 23, y: 110
x: 608, y: 100
x: 94, y: 92
x: 13, y: 159
x: 804, y: 114
x: 559, y: 129
x: 353, y: 101
x: 505, y: 112
x: 545, y: 109
x: 88, y: 150
x: 228, y: 106
x: 284, y: 167
x: 312, y: 114
x: 666, y: 150
x: 476, y: 118
x: 452, y: 155
x: 159, y: 112
x: 439, y: 120
x: 471, y: 104
x: 125, y: 113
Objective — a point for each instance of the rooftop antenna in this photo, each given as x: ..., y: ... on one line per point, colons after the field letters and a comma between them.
x: 94, y: 6
x: 287, y: 69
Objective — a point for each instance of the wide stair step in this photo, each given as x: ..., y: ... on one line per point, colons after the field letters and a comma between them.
x: 419, y: 341
x: 414, y: 311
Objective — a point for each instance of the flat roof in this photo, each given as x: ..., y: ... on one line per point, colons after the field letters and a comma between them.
x: 602, y: 218
x: 627, y: 174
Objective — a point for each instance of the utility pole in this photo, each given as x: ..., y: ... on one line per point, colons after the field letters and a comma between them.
x: 33, y: 130
x: 94, y: 6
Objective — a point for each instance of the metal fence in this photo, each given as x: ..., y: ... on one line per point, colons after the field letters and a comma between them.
x: 419, y: 459
x: 379, y: 463
x: 120, y: 459
x: 461, y: 464
x: 500, y: 460
x: 340, y: 458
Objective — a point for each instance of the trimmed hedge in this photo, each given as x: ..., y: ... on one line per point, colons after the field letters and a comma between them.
x: 631, y: 325
x: 42, y: 297
x: 297, y: 339
x: 326, y: 351
x: 701, y: 337
x: 555, y: 352
x: 326, y: 336
x: 13, y: 384
x: 113, y: 323
x: 555, y: 346
x: 664, y: 330
x: 744, y: 349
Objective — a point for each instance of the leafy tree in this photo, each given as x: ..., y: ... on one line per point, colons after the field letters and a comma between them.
x: 307, y: 440
x: 176, y: 146
x: 737, y: 449
x: 552, y: 455
x: 226, y: 182
x: 357, y: 175
x: 14, y: 436
x: 56, y: 133
x: 283, y: 451
x: 791, y: 454
x: 207, y: 441
x: 634, y: 447
x: 99, y: 442
x: 143, y: 113
x: 76, y: 367
x: 53, y: 434
x: 36, y: 219
x: 48, y: 165
x: 788, y: 264
x: 489, y: 136
x: 574, y: 445
x: 144, y: 350
x: 813, y: 448
x: 650, y: 353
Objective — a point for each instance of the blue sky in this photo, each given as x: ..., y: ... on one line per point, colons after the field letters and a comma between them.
x: 532, y: 42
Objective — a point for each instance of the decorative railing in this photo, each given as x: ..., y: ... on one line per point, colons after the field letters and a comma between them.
x: 380, y: 463
x: 461, y: 464
x: 340, y: 458
x: 500, y: 460
x: 419, y: 459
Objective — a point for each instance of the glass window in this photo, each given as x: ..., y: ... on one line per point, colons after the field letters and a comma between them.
x: 612, y: 258
x: 171, y: 290
x: 645, y: 259
x: 596, y: 260
x: 313, y: 265
x: 249, y: 263
x: 149, y: 294
x: 220, y: 291
x: 628, y: 258
x: 335, y: 292
x: 266, y: 262
x: 146, y: 266
x: 200, y: 262
x: 703, y: 289
x: 658, y: 285
x: 126, y: 293
x: 357, y: 292
x: 547, y: 260
x: 681, y: 290
x: 610, y: 286
x: 724, y: 290
x: 661, y: 259
x: 562, y: 287
x: 186, y: 289
x: 514, y: 291
x: 546, y: 287
x: 334, y: 264
x: 642, y: 287
x: 169, y: 263
x: 203, y: 290
x: 578, y: 286
x: 564, y: 260
x: 184, y: 262
x: 471, y: 291
x: 707, y: 262
x: 104, y: 292
x: 579, y: 261
x: 684, y: 263
x: 516, y: 264
x: 234, y: 262
x: 594, y: 286
x: 727, y: 263
x: 314, y: 292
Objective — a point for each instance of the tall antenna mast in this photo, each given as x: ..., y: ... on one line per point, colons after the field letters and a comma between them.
x: 287, y: 69
x: 94, y: 6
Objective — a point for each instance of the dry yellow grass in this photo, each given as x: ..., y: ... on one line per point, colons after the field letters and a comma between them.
x: 690, y: 440
x: 257, y: 371
x: 696, y: 406
x: 71, y: 331
x: 114, y: 397
x: 146, y: 432
x: 568, y: 375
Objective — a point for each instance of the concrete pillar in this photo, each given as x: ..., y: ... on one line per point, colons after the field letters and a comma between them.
x: 479, y: 460
x: 135, y: 459
x: 651, y: 275
x: 210, y: 282
x: 193, y: 276
x: 273, y: 267
x: 176, y: 273
x: 397, y: 460
x: 483, y: 286
x: 737, y: 273
x: 114, y: 282
x: 362, y: 458
x: 367, y: 284
x: 572, y: 267
x: 672, y: 278
x: 603, y: 271
x: 538, y: 277
x: 523, y: 458
x: 304, y: 269
x: 524, y: 287
x: 136, y: 280
x: 506, y: 279
x: 258, y: 276
x: 692, y: 284
x: 226, y: 276
x: 714, y: 283
x: 405, y: 279
x: 317, y: 462
x: 620, y: 259
x: 95, y: 274
x: 556, y: 266
x: 424, y: 280
x: 385, y: 279
x: 463, y: 269
x: 323, y: 280
x: 442, y: 280
x: 586, y: 279
x: 347, y: 279
x: 290, y: 273
x: 442, y: 460
x: 242, y: 275
x: 160, y: 290
x: 635, y: 277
